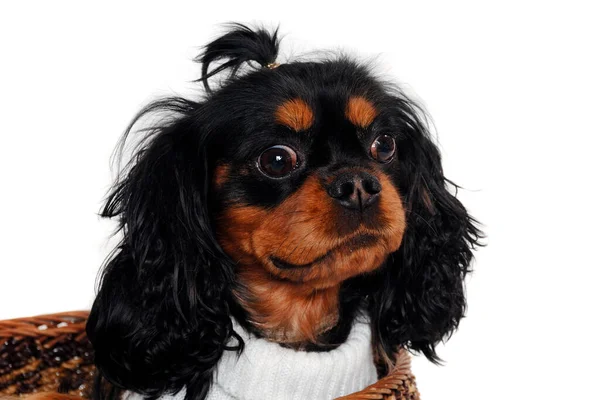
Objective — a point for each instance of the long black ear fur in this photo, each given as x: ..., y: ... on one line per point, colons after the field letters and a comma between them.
x: 161, y: 319
x: 420, y: 295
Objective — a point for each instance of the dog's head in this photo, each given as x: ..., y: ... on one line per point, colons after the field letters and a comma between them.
x: 289, y: 197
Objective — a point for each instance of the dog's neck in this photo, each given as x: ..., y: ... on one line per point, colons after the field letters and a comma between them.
x: 285, y: 312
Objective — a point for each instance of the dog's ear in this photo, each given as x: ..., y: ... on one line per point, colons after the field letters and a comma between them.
x: 161, y: 319
x: 420, y: 298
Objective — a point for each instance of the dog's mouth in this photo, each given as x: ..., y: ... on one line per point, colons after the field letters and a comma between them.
x: 350, y: 245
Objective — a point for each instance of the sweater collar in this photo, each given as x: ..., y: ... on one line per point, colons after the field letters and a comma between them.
x: 266, y: 370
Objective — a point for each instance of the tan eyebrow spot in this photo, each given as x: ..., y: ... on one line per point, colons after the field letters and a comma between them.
x: 360, y: 111
x: 295, y: 114
x: 221, y: 175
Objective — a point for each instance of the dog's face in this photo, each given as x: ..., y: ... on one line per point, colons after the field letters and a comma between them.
x: 290, y: 199
x: 313, y: 199
x: 308, y: 187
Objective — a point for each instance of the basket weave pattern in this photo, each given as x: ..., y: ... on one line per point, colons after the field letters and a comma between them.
x: 400, y: 384
x: 51, y: 353
x: 47, y: 353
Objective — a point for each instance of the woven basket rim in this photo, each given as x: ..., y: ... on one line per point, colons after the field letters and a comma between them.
x: 46, y: 325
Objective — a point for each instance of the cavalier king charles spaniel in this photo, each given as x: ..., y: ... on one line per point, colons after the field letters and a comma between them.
x: 287, y: 200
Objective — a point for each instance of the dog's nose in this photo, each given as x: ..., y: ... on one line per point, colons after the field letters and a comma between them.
x: 355, y: 190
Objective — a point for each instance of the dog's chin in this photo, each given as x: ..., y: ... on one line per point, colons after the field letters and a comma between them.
x: 359, y: 254
x: 357, y: 242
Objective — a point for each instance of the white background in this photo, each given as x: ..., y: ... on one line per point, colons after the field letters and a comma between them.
x: 513, y: 91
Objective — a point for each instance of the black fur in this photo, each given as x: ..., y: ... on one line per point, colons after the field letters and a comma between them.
x: 161, y: 319
x: 239, y: 46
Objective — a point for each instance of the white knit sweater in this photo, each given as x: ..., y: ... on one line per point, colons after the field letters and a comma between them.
x: 267, y: 371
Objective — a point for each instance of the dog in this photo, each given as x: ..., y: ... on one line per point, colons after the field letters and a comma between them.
x: 286, y: 204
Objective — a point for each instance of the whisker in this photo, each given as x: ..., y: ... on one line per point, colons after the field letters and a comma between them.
x: 302, y: 240
x: 294, y: 212
x: 300, y: 222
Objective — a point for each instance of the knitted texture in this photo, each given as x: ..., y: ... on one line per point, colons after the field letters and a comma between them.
x: 268, y: 371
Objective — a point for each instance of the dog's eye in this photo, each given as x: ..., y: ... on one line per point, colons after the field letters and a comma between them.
x: 278, y: 161
x: 383, y: 148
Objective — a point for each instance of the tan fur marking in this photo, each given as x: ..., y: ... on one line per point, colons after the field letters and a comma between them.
x: 360, y: 111
x: 295, y: 114
x: 286, y: 311
x: 221, y: 174
x: 304, y: 229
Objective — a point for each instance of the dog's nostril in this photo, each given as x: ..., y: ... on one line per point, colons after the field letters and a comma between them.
x: 347, y: 189
x: 344, y: 189
x: 371, y: 185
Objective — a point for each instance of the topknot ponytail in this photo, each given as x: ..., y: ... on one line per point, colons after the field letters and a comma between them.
x: 238, y: 46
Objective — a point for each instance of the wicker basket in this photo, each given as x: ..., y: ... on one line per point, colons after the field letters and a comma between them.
x: 51, y: 353
x: 48, y: 353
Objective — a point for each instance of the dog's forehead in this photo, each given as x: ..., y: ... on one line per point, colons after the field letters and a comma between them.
x: 299, y: 104
x: 300, y: 115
